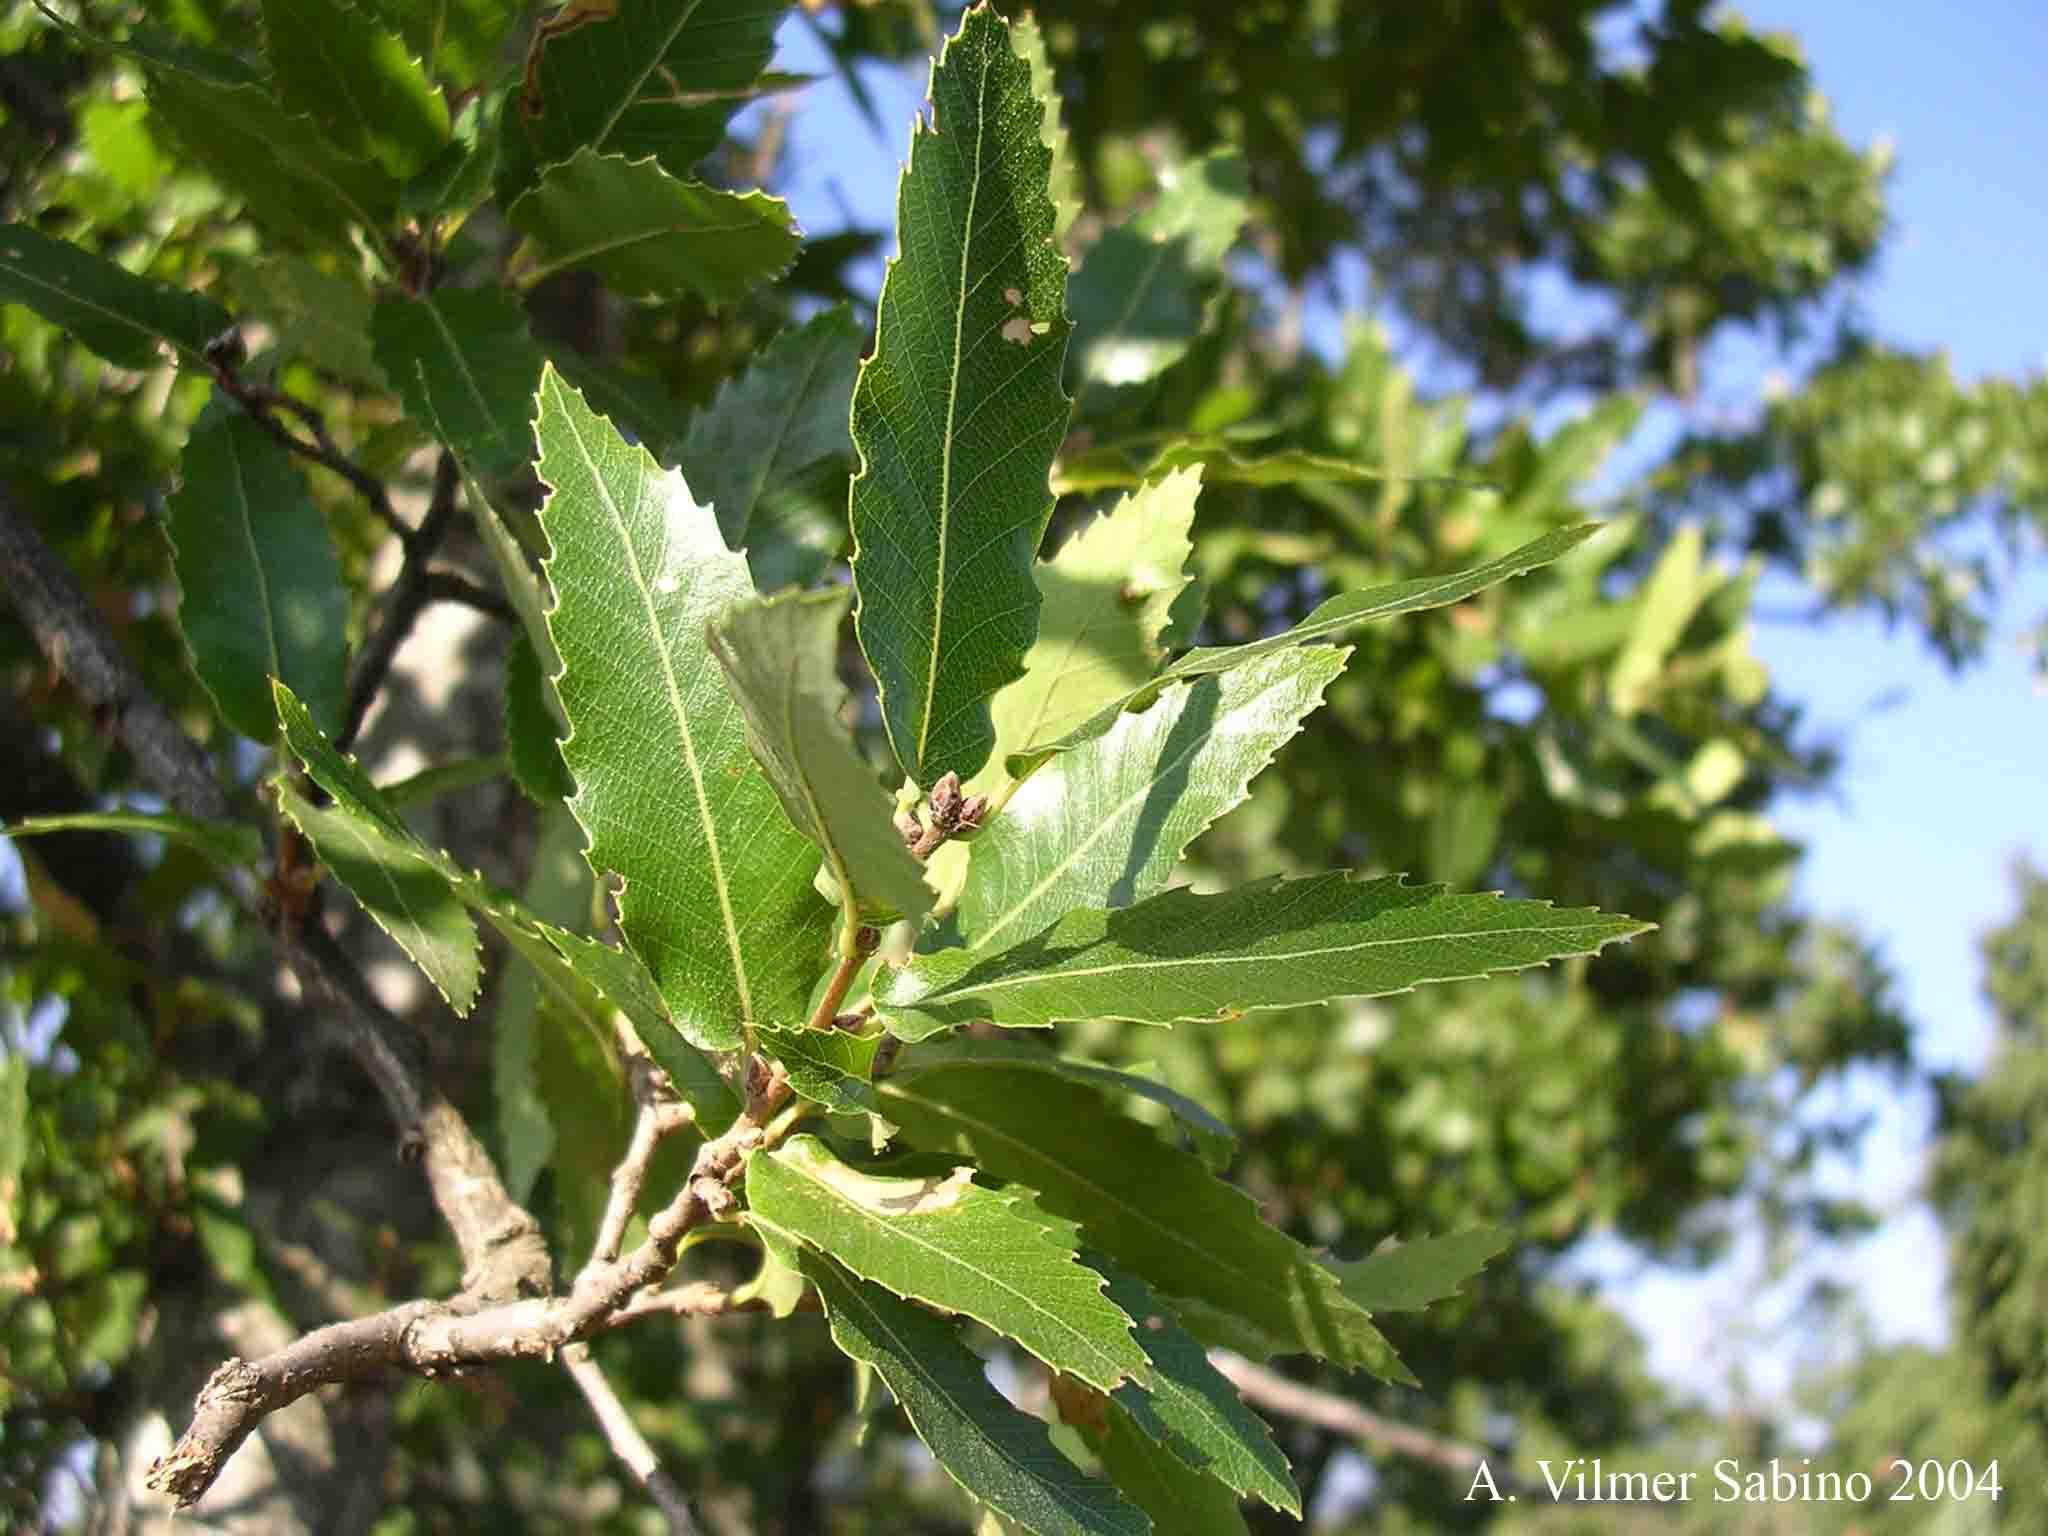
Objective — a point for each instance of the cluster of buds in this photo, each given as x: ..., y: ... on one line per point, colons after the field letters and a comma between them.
x: 947, y: 813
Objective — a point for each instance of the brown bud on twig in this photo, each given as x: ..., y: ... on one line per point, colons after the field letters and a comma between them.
x: 972, y: 814
x: 907, y: 824
x: 945, y: 802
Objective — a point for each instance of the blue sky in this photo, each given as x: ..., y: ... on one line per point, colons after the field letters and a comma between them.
x: 1915, y: 839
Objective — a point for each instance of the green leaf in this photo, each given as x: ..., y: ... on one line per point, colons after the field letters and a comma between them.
x: 618, y: 976
x: 1000, y: 1456
x: 959, y: 411
x: 357, y: 81
x: 1138, y: 297
x: 638, y: 404
x: 104, y: 1315
x: 439, y: 779
x: 590, y: 978
x: 1191, y: 1407
x: 1105, y: 824
x: 518, y: 572
x: 161, y: 50
x: 531, y: 735
x: 779, y: 1286
x: 1274, y: 943
x: 1409, y: 1276
x: 409, y: 896
x: 1108, y: 595
x: 659, y: 238
x: 782, y: 417
x: 260, y: 593
x: 1572, y: 453
x: 124, y: 318
x: 404, y: 887
x: 313, y: 314
x: 781, y: 658
x: 230, y: 844
x: 459, y: 175
x: 17, y: 1135
x: 460, y: 40
x: 115, y: 138
x: 583, y: 1084
x: 1004, y: 1056
x: 1112, y: 466
x: 1063, y: 182
x: 560, y: 886
x: 1326, y: 621
x: 1176, y: 1496
x: 718, y: 899
x: 826, y: 1066
x: 1673, y: 594
x: 1151, y: 1207
x: 644, y: 78
x: 466, y: 366
x: 1137, y: 310
x: 288, y: 177
x: 990, y: 1255
x: 1204, y: 201
x: 230, y: 1245
x: 1340, y: 613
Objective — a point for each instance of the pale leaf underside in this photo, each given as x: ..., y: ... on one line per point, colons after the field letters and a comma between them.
x: 1105, y: 824
x: 718, y: 897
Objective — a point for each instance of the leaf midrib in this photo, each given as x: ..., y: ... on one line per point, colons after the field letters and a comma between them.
x: 462, y: 367
x: 574, y: 257
x: 780, y: 436
x: 655, y: 58
x: 931, y: 677
x: 681, y: 714
x: 67, y: 296
x: 1030, y: 977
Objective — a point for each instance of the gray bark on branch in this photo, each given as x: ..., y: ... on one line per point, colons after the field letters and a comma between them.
x: 431, y: 1338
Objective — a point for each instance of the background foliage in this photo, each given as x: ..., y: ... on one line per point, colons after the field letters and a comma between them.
x: 186, y: 1163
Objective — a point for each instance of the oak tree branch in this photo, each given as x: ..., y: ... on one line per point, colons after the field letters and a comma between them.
x: 429, y: 1338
